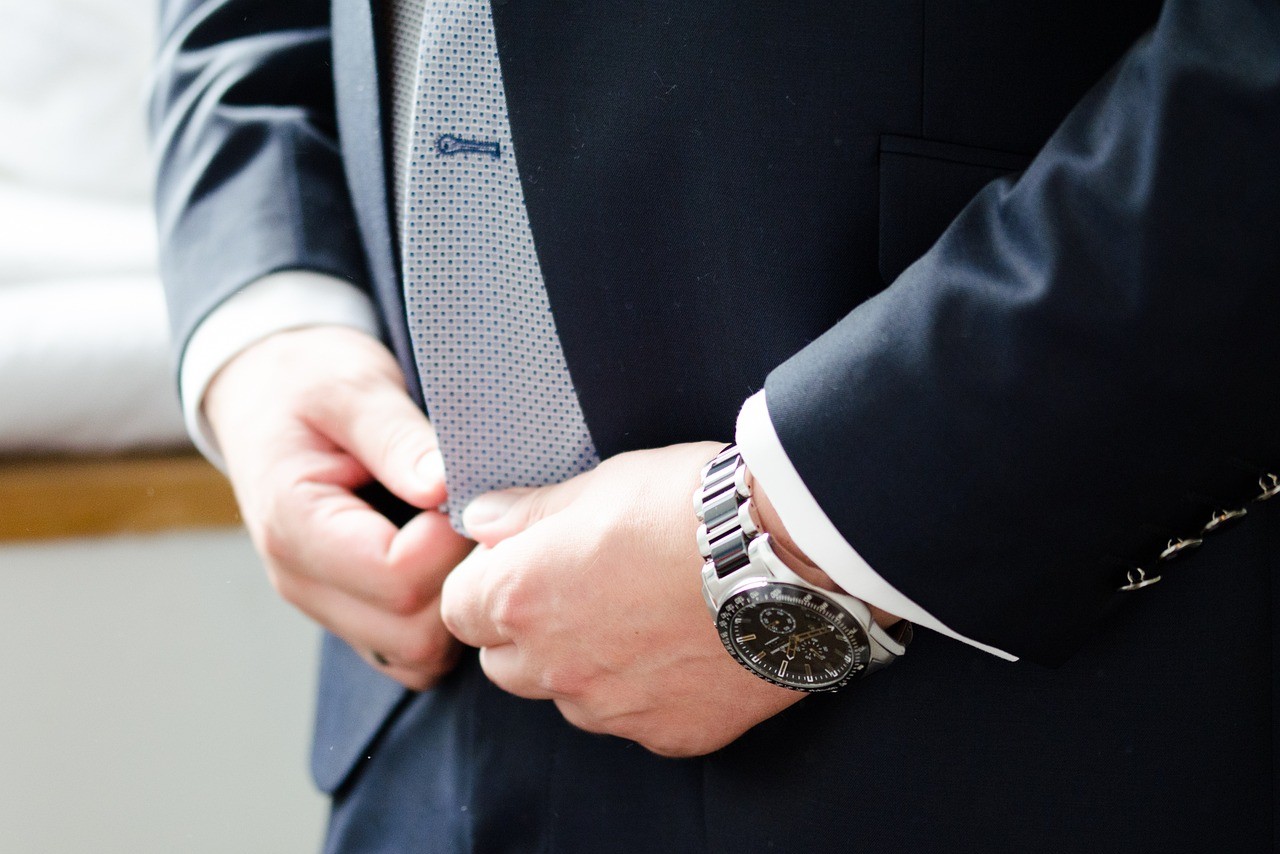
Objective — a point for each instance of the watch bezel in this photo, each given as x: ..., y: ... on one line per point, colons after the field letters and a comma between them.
x: 854, y: 632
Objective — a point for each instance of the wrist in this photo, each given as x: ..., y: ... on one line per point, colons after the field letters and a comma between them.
x: 790, y: 553
x: 782, y: 619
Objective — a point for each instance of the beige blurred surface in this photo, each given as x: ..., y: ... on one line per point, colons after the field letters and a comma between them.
x: 154, y: 697
x: 44, y: 497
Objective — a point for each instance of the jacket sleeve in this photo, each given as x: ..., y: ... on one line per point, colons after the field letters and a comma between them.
x: 249, y: 177
x: 1084, y: 366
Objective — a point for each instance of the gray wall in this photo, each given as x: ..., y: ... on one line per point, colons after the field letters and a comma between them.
x: 154, y: 697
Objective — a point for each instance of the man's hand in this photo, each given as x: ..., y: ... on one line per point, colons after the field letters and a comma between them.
x: 303, y: 418
x: 588, y: 593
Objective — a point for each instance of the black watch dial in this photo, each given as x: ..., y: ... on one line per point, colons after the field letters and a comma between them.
x: 793, y: 636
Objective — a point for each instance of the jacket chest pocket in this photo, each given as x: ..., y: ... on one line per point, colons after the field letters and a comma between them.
x: 923, y: 185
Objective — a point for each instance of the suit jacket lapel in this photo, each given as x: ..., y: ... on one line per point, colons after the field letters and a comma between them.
x: 355, y: 699
x: 364, y: 139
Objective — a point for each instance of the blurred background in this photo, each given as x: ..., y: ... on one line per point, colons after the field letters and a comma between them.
x: 154, y: 695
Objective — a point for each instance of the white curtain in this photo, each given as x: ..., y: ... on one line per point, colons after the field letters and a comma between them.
x: 83, y: 341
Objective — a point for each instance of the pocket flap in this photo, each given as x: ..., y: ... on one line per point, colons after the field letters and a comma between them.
x: 923, y: 186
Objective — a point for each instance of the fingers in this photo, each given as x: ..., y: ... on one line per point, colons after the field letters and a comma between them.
x: 378, y: 589
x: 326, y: 404
x: 511, y: 669
x: 413, y: 640
x: 416, y: 680
x: 495, y: 516
x: 372, y: 418
x: 303, y: 418
x: 327, y: 535
x: 486, y: 517
x: 506, y: 667
x: 475, y: 601
x: 415, y: 650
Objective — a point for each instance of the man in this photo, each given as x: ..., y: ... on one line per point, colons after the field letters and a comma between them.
x: 1009, y: 272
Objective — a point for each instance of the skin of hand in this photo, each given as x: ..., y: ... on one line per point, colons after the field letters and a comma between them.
x: 588, y: 593
x: 303, y: 418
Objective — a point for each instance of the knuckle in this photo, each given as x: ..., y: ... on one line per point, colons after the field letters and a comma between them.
x: 355, y: 377
x: 427, y: 651
x: 504, y: 612
x: 671, y: 748
x: 510, y: 601
x: 405, y: 600
x: 294, y: 592
x: 674, y: 743
x: 536, y: 504
x: 508, y: 609
x: 425, y: 664
x: 668, y: 751
x: 273, y: 519
x: 343, y: 390
x: 564, y: 680
x: 449, y: 617
x: 404, y: 442
x: 578, y: 718
x: 274, y: 543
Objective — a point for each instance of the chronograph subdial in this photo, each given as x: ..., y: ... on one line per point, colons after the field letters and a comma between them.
x: 777, y: 621
x: 813, y: 649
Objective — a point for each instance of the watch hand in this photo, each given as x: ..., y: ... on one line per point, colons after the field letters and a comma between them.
x: 812, y: 633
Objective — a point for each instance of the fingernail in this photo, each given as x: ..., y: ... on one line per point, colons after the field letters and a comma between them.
x: 431, y: 468
x: 487, y: 508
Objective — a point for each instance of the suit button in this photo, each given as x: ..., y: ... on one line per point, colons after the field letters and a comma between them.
x: 1138, y: 579
x: 1270, y: 485
x: 1223, y: 519
x: 1179, y: 547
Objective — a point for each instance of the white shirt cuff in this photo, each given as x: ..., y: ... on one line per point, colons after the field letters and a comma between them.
x: 814, y: 533
x: 274, y: 303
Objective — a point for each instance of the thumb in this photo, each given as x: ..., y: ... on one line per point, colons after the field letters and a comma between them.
x: 495, y: 516
x: 381, y: 427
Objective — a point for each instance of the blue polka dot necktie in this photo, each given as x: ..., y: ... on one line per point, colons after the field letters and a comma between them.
x: 497, y: 388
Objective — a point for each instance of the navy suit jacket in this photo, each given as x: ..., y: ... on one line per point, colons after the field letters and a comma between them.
x: 1009, y: 273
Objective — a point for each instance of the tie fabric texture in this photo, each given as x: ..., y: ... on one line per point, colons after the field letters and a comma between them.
x: 494, y: 376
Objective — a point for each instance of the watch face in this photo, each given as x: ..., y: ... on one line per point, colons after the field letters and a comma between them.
x: 793, y: 636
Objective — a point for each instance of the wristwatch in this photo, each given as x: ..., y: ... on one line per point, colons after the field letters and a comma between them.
x: 773, y: 622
